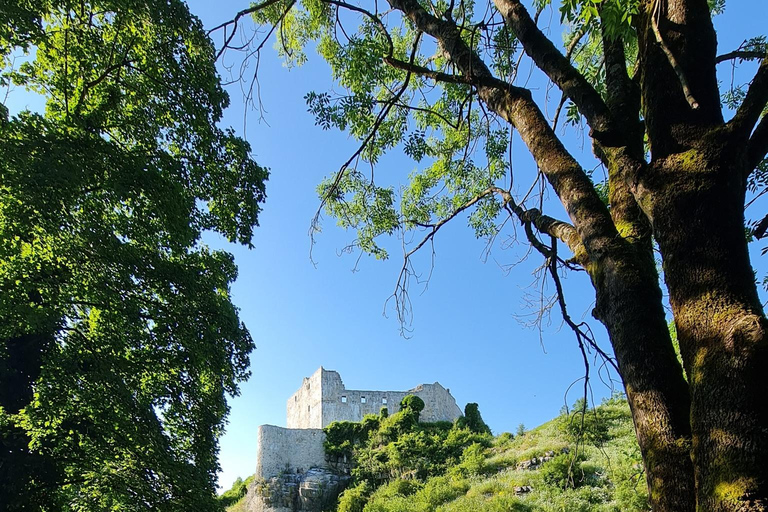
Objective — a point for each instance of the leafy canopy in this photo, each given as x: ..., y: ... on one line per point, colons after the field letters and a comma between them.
x: 399, y: 90
x: 120, y: 339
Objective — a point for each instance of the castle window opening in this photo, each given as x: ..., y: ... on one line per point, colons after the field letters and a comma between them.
x: 308, y: 408
x: 343, y: 399
x: 384, y: 401
x: 362, y: 400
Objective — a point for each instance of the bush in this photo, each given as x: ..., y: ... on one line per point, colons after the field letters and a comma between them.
x: 236, y: 493
x: 354, y: 498
x: 412, y: 403
x: 472, y: 420
x: 473, y: 461
x: 586, y: 425
x: 564, y: 471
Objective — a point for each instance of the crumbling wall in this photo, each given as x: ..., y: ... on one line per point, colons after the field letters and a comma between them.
x: 284, y: 449
x: 341, y: 404
x: 304, y: 407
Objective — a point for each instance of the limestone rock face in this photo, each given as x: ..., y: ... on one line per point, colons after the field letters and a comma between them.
x: 312, y: 491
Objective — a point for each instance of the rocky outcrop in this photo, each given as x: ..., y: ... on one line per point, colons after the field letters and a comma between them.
x: 311, y: 491
x: 535, y: 462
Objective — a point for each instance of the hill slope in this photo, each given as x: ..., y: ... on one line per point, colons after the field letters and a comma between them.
x: 576, y: 462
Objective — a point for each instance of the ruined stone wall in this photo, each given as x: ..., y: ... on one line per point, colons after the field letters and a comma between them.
x: 353, y: 405
x: 323, y: 399
x: 304, y: 408
x: 439, y: 404
x: 284, y: 449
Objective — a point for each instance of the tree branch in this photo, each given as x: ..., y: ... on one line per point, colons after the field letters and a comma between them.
x: 623, y: 95
x: 515, y: 105
x: 559, y: 69
x: 754, y: 103
x: 379, y: 24
x: 380, y: 118
x: 234, y: 22
x: 545, y: 224
x: 740, y: 54
x: 671, y: 58
x: 758, y: 144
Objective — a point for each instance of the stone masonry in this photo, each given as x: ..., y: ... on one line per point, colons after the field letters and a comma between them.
x: 291, y: 466
x: 323, y: 399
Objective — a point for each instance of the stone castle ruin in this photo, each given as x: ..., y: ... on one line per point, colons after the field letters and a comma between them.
x: 292, y: 470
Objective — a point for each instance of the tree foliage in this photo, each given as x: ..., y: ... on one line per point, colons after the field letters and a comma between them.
x: 473, y: 420
x: 119, y: 338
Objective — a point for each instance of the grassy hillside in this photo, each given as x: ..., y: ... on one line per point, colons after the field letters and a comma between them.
x: 576, y: 462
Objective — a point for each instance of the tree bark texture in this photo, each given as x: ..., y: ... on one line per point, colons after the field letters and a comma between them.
x: 699, y: 195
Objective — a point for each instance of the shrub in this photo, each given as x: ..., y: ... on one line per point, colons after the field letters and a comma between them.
x: 564, y: 471
x: 236, y: 493
x: 473, y: 461
x: 354, y: 498
x: 586, y: 425
x: 412, y: 403
x: 472, y: 420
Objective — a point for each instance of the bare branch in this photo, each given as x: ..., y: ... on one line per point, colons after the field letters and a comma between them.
x: 740, y: 54
x: 234, y: 23
x: 754, y: 103
x: 758, y: 144
x: 379, y: 24
x: 544, y: 224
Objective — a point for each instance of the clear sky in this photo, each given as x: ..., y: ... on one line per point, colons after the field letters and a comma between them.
x: 472, y: 327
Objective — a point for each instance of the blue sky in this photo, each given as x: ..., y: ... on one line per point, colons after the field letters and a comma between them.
x: 472, y: 324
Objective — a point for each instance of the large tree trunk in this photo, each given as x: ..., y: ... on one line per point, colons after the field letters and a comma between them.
x: 697, y: 207
x: 629, y: 304
x: 695, y: 199
x: 21, y: 467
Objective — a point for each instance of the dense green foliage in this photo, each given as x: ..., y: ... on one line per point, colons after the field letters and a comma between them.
x: 119, y: 341
x: 473, y: 420
x: 399, y: 447
x: 594, y: 466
